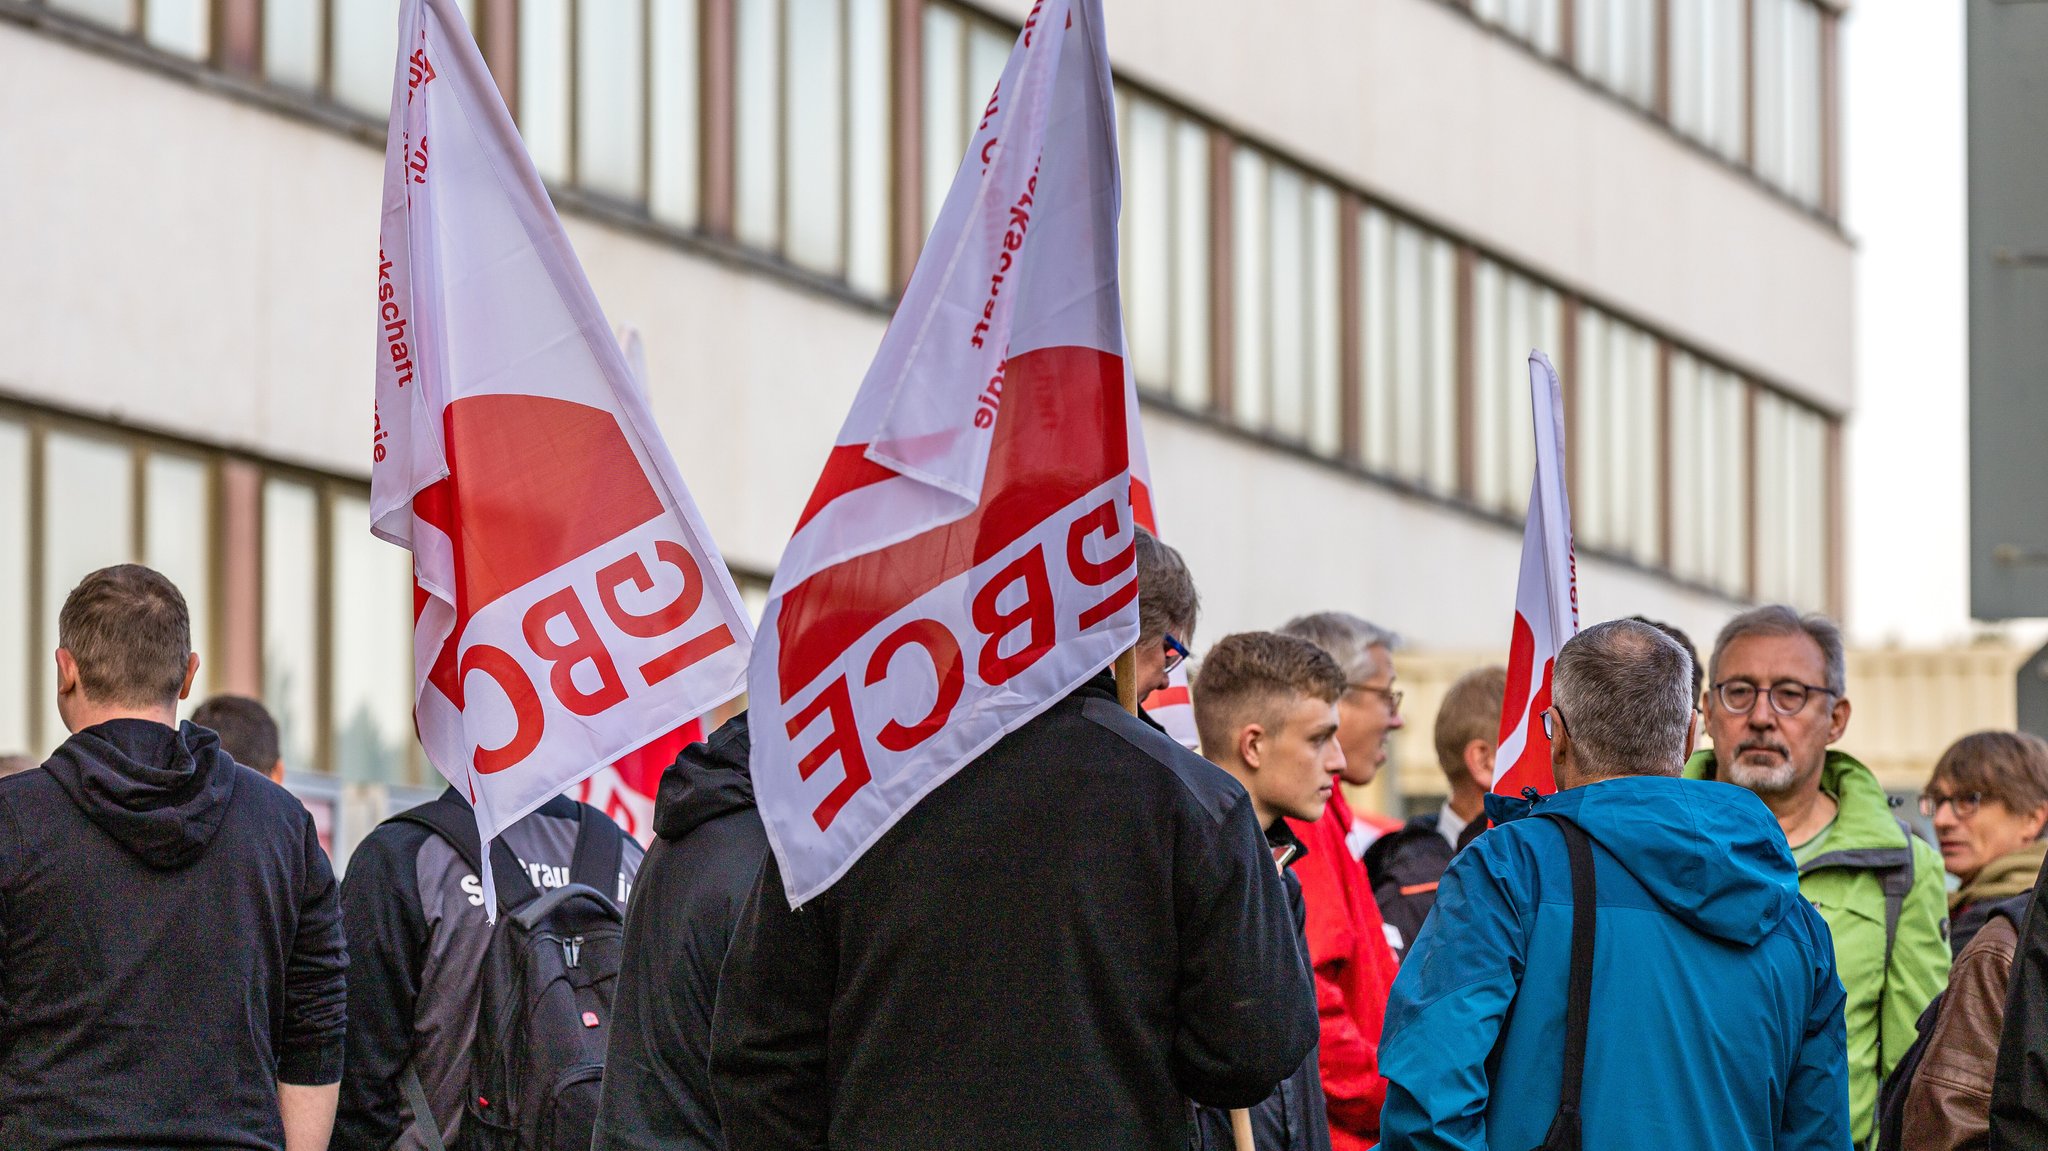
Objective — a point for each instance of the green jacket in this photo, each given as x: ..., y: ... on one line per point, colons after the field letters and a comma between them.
x: 1847, y: 885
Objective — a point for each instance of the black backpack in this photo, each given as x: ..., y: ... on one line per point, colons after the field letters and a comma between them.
x: 1891, y: 1097
x: 544, y: 1015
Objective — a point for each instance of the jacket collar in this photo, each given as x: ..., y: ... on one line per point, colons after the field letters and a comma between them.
x: 2010, y: 874
x: 1281, y: 838
x: 1863, y: 815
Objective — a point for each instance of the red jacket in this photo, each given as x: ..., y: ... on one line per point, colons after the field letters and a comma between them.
x: 1354, y: 968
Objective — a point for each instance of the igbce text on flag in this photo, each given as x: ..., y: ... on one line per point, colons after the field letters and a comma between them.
x: 1546, y: 598
x: 967, y: 557
x: 569, y: 605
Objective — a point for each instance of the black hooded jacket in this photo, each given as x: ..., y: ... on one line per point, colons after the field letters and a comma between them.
x: 692, y: 887
x: 170, y: 946
x: 1059, y: 946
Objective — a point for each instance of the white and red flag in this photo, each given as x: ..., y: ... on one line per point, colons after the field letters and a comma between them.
x: 967, y: 557
x: 1546, y: 599
x: 569, y: 605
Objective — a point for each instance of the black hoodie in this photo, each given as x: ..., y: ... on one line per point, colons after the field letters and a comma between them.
x: 170, y: 946
x: 691, y: 888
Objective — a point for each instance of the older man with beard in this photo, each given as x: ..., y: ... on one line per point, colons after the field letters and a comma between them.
x: 1776, y: 700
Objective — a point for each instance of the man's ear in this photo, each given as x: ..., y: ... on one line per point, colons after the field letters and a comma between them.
x: 1838, y: 719
x: 1479, y: 762
x: 1250, y: 744
x: 191, y: 675
x: 1560, y: 754
x: 1692, y: 736
x: 67, y: 672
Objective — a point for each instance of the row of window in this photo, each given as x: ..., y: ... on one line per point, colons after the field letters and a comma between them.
x: 1301, y: 251
x: 1746, y: 79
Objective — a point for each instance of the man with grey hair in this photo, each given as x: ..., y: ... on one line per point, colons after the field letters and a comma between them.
x: 1370, y: 712
x: 1714, y: 1019
x: 1777, y: 697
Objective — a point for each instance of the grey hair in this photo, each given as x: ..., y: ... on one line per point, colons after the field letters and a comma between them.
x: 1167, y: 601
x: 1624, y: 690
x: 1779, y: 619
x: 1347, y: 638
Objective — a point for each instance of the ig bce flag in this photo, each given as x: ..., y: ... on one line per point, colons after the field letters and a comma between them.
x: 569, y: 606
x: 1546, y: 599
x: 967, y: 557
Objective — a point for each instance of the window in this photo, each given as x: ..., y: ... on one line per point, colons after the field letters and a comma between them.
x: 371, y: 685
x: 1615, y: 438
x: 1788, y: 96
x: 14, y: 581
x: 178, y: 26
x: 1511, y: 315
x: 1709, y: 475
x: 1616, y: 42
x: 673, y: 191
x: 1165, y: 232
x: 611, y: 133
x: 1286, y: 374
x: 177, y: 540
x: 812, y: 76
x: 116, y: 14
x: 544, y: 85
x: 88, y: 523
x: 293, y: 41
x: 963, y: 59
x: 291, y: 569
x: 1791, y: 502
x: 1707, y: 73
x: 365, y: 49
x: 1408, y: 417
x: 1535, y: 22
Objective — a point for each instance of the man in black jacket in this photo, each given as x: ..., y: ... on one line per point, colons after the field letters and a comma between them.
x: 171, y: 960
x: 692, y: 886
x: 1060, y: 946
x: 2019, y: 1084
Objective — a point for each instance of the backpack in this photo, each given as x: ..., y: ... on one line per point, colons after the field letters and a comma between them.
x: 1891, y: 1096
x: 544, y: 1012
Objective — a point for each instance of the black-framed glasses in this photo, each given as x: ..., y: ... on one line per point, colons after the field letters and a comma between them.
x: 1788, y: 696
x: 1392, y: 697
x: 1550, y: 729
x: 1964, y: 804
x: 1176, y: 651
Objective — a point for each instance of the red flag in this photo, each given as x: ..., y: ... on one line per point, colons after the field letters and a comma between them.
x: 570, y: 606
x: 1546, y: 599
x: 966, y: 558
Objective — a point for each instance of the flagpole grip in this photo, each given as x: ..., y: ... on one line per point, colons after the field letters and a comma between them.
x: 1127, y: 680
x: 1241, y: 1129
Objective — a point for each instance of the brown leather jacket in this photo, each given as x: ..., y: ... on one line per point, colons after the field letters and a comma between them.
x: 1948, y: 1106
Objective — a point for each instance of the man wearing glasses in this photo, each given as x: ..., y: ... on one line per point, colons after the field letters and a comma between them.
x: 1776, y: 699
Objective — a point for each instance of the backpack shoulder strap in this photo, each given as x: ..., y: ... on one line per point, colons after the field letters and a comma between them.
x: 1898, y: 883
x: 600, y: 852
x: 456, y: 825
x: 1564, y: 1132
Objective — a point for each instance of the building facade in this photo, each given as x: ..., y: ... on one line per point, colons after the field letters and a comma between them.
x: 1345, y: 225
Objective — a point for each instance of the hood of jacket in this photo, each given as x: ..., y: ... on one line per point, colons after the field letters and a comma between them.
x: 1863, y: 812
x: 2010, y: 874
x: 1709, y: 853
x: 707, y: 780
x: 159, y: 792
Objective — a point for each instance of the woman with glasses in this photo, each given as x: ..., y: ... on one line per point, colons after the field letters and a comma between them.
x: 1988, y: 799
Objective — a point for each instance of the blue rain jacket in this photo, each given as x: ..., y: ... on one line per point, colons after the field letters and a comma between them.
x: 1716, y: 1020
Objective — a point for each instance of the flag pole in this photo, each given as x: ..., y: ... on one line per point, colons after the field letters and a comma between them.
x: 1127, y: 679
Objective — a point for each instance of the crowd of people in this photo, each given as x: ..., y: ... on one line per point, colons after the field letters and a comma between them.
x: 1089, y: 936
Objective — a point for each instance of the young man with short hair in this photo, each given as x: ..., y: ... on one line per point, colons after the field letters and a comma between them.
x: 1266, y: 705
x: 170, y: 932
x: 1407, y: 864
x: 246, y: 732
